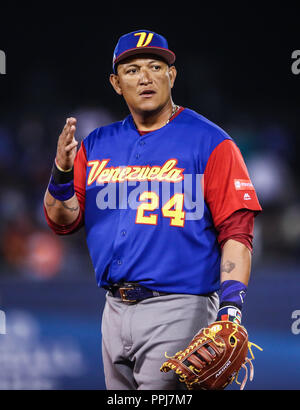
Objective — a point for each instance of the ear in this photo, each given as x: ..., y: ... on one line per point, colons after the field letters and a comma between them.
x: 114, y: 80
x: 172, y: 75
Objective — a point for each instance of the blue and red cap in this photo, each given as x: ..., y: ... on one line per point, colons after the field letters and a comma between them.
x: 142, y: 42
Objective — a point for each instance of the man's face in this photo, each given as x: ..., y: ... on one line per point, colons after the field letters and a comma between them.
x: 145, y: 82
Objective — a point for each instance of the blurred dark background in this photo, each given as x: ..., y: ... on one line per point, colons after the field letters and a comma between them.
x: 234, y: 67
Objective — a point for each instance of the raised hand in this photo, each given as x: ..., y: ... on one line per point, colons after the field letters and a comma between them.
x: 66, y: 146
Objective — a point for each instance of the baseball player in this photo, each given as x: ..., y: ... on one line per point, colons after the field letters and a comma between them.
x: 171, y: 263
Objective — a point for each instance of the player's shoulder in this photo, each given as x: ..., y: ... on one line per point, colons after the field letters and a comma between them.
x: 101, y: 133
x: 202, y: 126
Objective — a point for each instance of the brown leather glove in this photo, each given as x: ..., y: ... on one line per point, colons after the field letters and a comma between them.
x: 214, y: 357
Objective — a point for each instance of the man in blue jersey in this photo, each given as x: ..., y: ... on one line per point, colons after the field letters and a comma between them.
x: 161, y: 260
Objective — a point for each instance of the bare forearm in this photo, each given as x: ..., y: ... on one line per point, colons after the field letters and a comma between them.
x: 235, y: 262
x: 61, y: 212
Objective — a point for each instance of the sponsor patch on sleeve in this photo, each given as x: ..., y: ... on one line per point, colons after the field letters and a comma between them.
x: 243, y: 185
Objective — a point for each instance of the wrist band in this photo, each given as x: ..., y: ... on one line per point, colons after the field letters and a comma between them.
x: 233, y: 292
x: 61, y: 192
x: 230, y: 313
x: 61, y: 184
x: 232, y: 295
x: 60, y: 176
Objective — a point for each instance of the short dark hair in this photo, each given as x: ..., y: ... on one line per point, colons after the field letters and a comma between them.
x: 145, y: 55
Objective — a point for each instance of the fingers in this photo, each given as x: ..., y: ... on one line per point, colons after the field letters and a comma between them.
x: 66, y: 146
x: 71, y: 146
x: 70, y: 138
x: 69, y: 130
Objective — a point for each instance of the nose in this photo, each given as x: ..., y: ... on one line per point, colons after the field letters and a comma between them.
x: 145, y: 77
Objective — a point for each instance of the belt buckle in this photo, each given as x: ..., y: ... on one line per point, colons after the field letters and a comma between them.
x: 123, y: 294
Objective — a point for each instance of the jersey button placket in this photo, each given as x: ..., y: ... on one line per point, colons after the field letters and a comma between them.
x: 123, y: 232
x: 141, y: 144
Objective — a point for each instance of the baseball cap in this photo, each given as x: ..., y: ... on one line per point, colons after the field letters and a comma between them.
x: 140, y: 42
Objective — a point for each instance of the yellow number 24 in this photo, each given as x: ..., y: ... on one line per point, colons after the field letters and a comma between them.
x: 172, y: 209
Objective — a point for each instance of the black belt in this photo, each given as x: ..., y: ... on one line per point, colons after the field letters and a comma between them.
x: 132, y: 292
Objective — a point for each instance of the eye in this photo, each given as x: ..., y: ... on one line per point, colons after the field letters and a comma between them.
x: 156, y: 67
x: 131, y: 71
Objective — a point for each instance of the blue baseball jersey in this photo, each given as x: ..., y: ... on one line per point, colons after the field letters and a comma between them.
x: 146, y: 215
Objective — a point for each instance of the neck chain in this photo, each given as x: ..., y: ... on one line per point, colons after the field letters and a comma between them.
x: 174, y: 110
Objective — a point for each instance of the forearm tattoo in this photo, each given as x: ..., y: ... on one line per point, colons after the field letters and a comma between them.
x: 51, y: 204
x: 227, y: 266
x: 69, y: 208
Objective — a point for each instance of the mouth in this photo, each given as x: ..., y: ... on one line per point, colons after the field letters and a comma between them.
x: 147, y: 93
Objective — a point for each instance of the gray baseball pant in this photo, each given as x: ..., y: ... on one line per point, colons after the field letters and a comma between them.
x: 136, y: 336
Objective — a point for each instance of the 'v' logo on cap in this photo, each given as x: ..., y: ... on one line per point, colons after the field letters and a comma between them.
x: 142, y: 42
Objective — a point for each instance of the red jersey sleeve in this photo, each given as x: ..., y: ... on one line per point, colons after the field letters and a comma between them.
x: 80, y: 164
x: 79, y: 186
x: 227, y: 185
x: 238, y: 226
